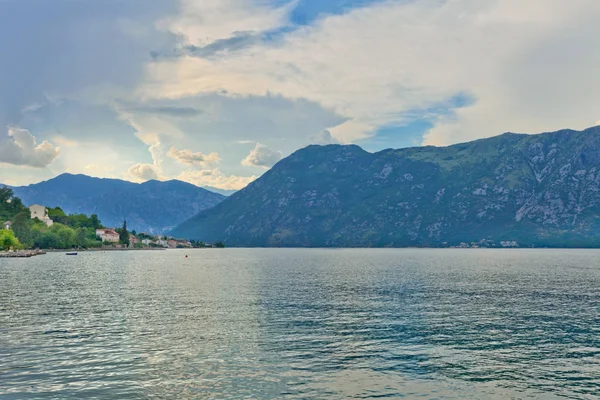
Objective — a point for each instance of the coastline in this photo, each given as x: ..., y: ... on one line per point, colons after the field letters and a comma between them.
x: 100, y: 250
x: 22, y: 254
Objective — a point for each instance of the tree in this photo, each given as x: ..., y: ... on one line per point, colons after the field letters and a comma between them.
x: 124, y: 234
x: 67, y: 237
x: 22, y: 227
x: 220, y: 245
x: 197, y: 244
x: 66, y: 232
x: 9, y: 204
x: 49, y: 240
x: 81, y: 237
x: 78, y: 221
x: 95, y: 222
x: 56, y: 214
x: 8, y: 240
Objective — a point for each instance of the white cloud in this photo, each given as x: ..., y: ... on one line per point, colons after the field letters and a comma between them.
x: 527, y: 68
x: 241, y: 72
x: 20, y: 147
x: 65, y: 142
x: 205, y: 21
x: 262, y: 156
x: 142, y: 172
x: 100, y: 170
x: 217, y: 179
x: 324, y: 137
x: 188, y: 157
x: 31, y: 107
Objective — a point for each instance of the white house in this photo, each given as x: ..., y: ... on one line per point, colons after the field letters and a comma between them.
x: 108, y: 235
x: 7, y: 225
x: 41, y: 213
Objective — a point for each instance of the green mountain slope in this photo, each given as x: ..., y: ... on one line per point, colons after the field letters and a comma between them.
x: 541, y: 190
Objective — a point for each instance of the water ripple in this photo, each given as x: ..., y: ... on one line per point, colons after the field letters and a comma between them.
x: 297, y: 324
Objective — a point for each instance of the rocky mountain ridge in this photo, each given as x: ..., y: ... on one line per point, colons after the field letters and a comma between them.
x: 536, y: 190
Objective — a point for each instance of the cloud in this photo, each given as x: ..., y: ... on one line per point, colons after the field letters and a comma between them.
x: 379, y: 65
x: 65, y: 142
x: 227, y: 70
x: 277, y: 121
x: 100, y: 170
x: 238, y: 41
x: 31, y: 107
x: 188, y: 157
x: 20, y: 147
x: 262, y: 156
x: 168, y: 111
x: 54, y: 52
x: 324, y: 137
x: 201, y: 23
x: 142, y: 172
x: 217, y: 179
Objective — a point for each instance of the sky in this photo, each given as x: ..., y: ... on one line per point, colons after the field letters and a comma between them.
x: 215, y: 92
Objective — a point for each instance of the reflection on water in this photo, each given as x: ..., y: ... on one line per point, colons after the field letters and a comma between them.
x: 448, y: 324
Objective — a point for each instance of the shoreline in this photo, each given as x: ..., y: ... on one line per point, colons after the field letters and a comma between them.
x: 22, y: 254
x: 99, y: 250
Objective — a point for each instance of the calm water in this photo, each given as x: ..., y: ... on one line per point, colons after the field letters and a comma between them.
x: 234, y: 323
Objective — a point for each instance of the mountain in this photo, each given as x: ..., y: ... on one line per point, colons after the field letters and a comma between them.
x: 538, y: 190
x: 224, y: 192
x: 152, y: 206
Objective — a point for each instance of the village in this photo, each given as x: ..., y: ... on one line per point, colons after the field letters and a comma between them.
x: 86, y: 232
x: 111, y: 239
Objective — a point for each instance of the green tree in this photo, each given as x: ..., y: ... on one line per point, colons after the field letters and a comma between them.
x: 10, y: 205
x: 22, y: 227
x: 49, y: 240
x: 78, y: 221
x: 124, y: 234
x: 66, y: 236
x: 81, y: 237
x: 83, y: 221
x: 8, y: 240
x: 58, y: 236
x: 220, y: 245
x: 56, y: 214
x: 95, y: 222
x: 66, y: 232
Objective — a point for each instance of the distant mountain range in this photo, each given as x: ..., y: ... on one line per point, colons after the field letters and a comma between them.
x: 224, y: 192
x: 537, y: 190
x: 153, y: 206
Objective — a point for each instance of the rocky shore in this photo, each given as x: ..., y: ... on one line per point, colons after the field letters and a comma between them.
x: 21, y: 253
x: 103, y: 249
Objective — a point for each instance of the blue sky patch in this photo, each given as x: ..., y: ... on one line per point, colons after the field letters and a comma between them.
x: 411, y: 133
x: 307, y: 11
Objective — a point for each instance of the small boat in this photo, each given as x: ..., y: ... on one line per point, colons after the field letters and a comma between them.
x: 71, y: 254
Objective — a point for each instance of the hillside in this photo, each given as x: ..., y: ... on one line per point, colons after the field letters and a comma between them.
x: 541, y: 190
x: 152, y: 206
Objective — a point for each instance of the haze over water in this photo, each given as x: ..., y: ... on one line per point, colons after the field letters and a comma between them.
x: 287, y: 323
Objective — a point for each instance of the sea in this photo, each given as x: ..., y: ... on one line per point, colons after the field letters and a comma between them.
x: 301, y: 324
